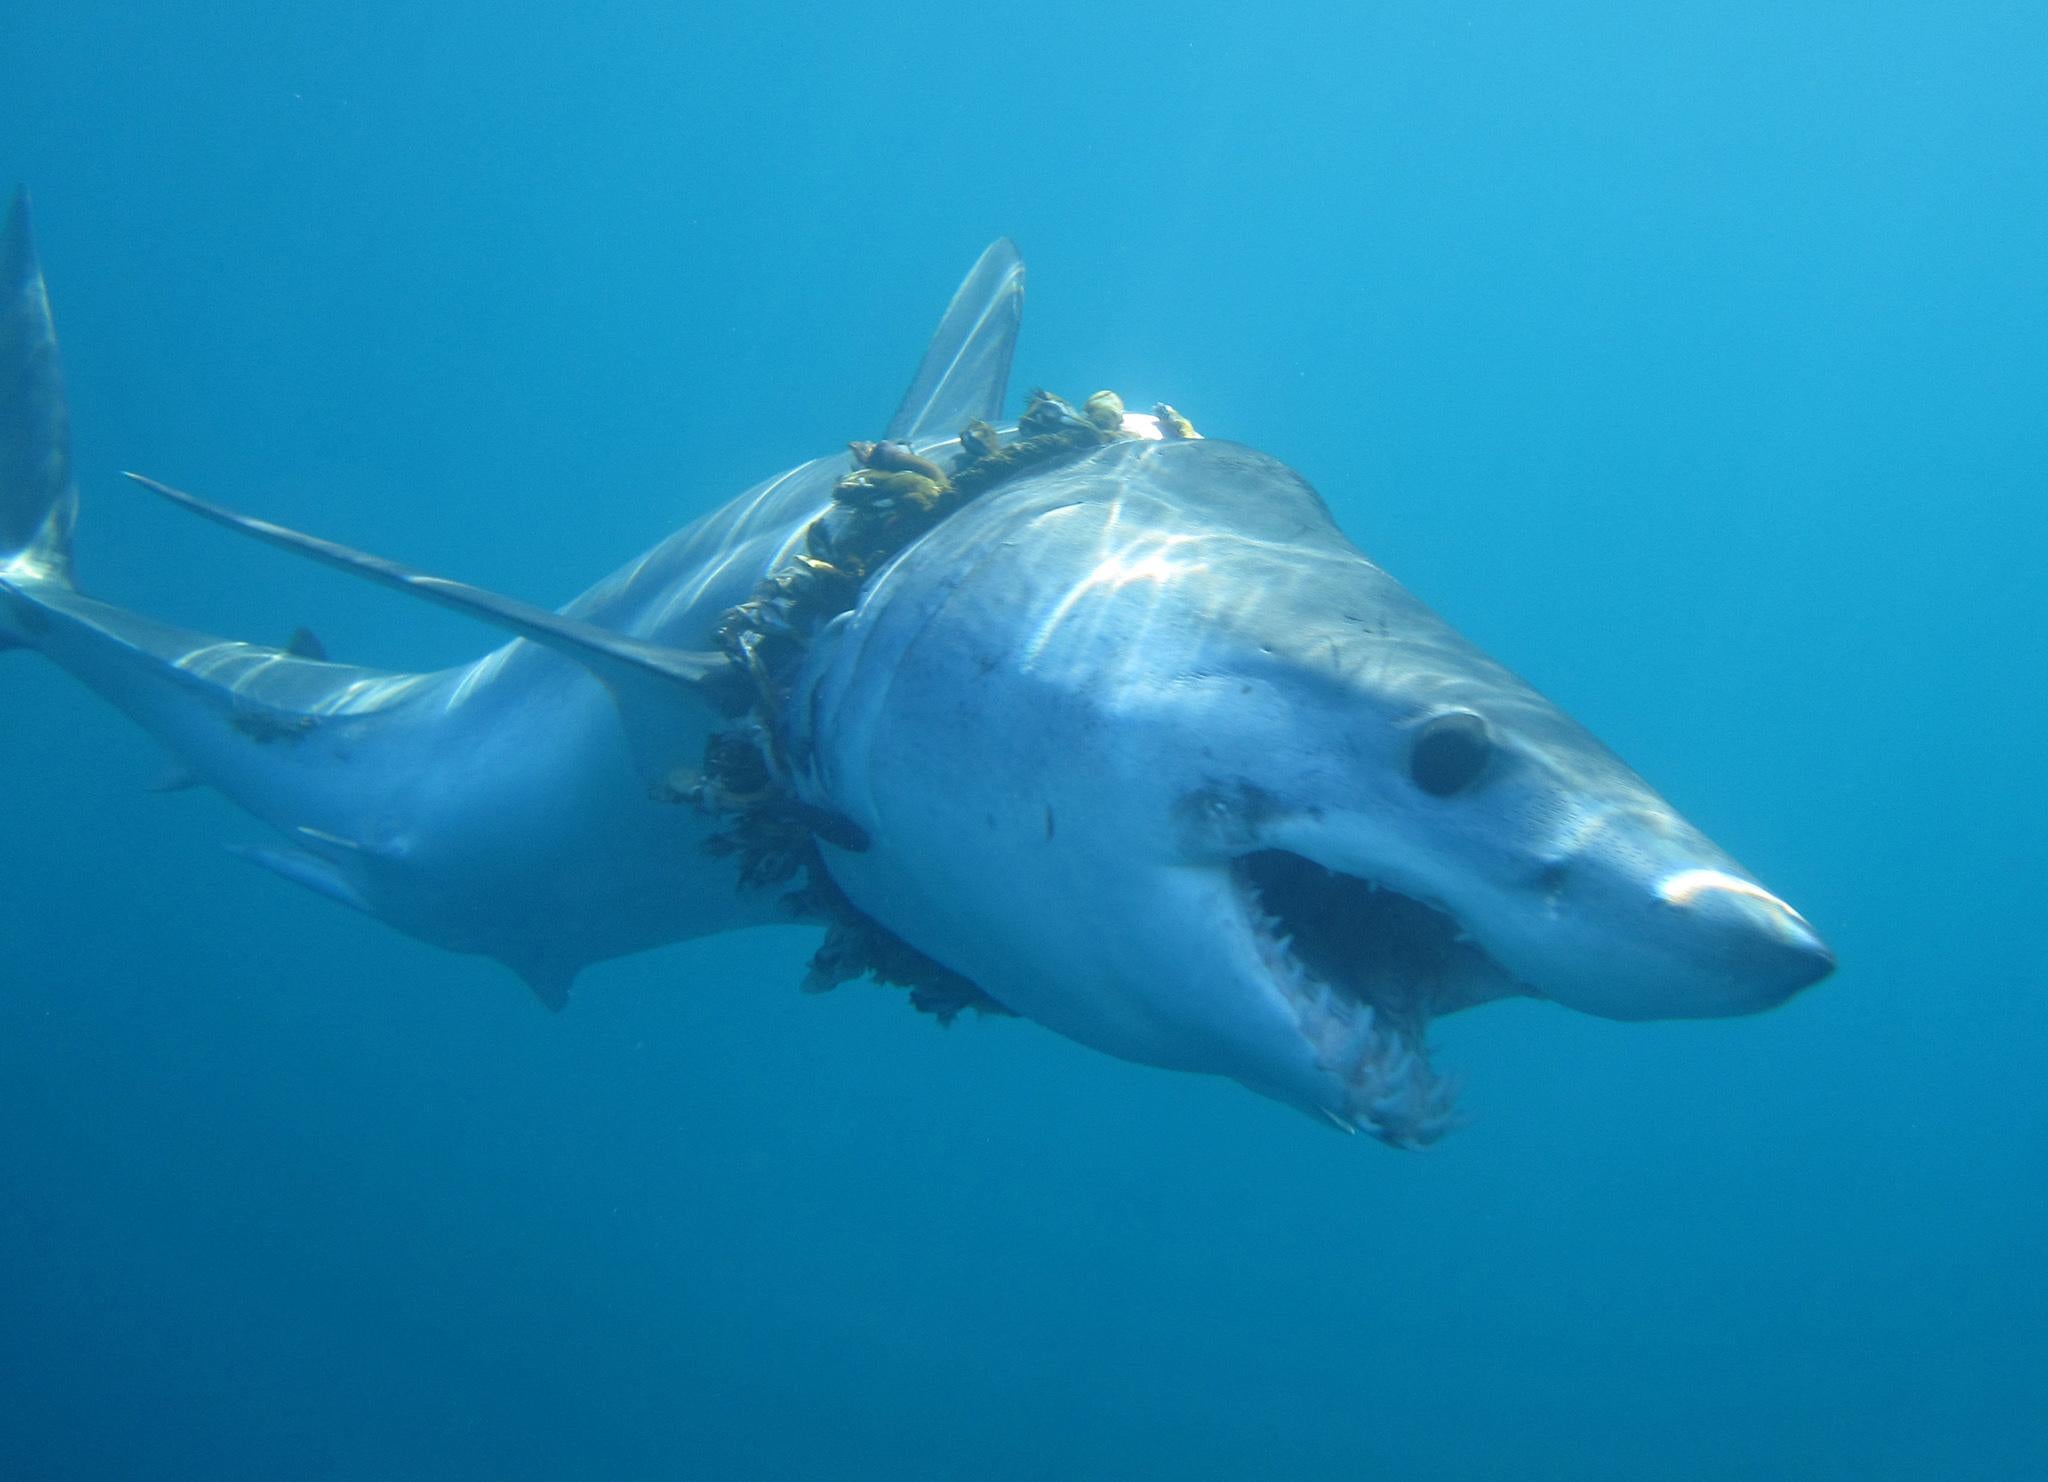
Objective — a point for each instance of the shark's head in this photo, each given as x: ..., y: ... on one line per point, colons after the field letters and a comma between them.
x: 1153, y: 755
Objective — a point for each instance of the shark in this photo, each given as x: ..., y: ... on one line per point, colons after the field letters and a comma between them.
x: 1136, y: 744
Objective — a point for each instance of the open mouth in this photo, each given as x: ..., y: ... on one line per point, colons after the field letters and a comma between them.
x: 1366, y: 968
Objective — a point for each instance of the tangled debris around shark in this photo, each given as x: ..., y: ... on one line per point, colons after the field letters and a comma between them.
x: 892, y: 497
x: 1301, y: 817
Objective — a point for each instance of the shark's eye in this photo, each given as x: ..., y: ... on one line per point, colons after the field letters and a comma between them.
x: 1450, y: 752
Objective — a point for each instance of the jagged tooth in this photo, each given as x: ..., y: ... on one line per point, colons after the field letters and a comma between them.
x: 1369, y: 1042
x: 1403, y: 1073
x: 1353, y: 1032
x: 1346, y: 1012
x: 1398, y: 1101
x: 1399, y: 1134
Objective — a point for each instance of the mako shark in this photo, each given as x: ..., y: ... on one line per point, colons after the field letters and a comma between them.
x: 1136, y: 745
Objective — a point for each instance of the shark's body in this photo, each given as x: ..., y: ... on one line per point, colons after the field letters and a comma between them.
x: 1138, y: 744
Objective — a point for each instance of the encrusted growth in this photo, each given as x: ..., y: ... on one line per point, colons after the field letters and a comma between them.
x: 892, y: 496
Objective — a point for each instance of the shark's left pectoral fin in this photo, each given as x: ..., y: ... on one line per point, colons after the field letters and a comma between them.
x: 309, y: 870
x: 635, y: 670
x: 967, y: 367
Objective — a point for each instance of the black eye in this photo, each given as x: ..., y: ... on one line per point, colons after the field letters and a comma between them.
x: 1450, y: 752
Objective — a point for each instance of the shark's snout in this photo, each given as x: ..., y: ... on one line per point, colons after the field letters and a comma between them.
x: 1648, y: 920
x: 1763, y: 941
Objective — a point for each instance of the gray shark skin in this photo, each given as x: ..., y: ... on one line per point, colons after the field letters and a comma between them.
x: 1139, y: 743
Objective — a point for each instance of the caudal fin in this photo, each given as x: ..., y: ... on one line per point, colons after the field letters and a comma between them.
x: 38, y: 500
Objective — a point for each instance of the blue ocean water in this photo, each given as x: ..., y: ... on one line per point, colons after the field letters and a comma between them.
x: 1688, y: 359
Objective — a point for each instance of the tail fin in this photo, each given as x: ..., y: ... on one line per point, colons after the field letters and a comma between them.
x: 38, y: 500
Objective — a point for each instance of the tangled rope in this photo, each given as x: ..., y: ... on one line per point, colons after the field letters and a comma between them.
x: 891, y: 498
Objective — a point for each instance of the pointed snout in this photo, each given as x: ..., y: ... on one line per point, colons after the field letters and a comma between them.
x: 1648, y: 920
x: 1762, y: 943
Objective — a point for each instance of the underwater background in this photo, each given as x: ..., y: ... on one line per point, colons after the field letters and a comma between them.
x: 1689, y: 359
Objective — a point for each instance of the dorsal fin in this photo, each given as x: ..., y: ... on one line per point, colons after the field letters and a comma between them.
x: 627, y: 664
x: 967, y: 367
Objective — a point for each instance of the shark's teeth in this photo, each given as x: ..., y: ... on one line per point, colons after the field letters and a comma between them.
x: 1392, y: 1092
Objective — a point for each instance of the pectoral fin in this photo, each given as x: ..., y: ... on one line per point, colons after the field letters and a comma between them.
x: 309, y: 870
x: 629, y: 665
